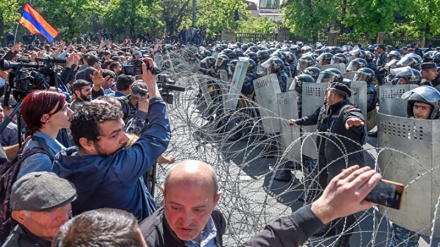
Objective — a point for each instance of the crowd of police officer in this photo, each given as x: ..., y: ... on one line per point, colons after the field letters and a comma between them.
x: 377, y: 65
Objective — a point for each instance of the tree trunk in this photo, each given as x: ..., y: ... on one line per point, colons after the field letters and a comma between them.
x: 2, y: 32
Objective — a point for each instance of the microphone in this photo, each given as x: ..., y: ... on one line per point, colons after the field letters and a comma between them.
x: 139, y: 90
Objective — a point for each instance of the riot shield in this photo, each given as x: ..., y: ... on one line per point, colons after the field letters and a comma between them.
x: 231, y: 99
x: 289, y: 83
x: 288, y: 109
x: 359, y: 96
x: 205, y: 85
x: 411, y: 158
x: 266, y: 89
x: 312, y: 98
x: 349, y: 75
x: 338, y: 66
x: 224, y: 75
x: 390, y: 99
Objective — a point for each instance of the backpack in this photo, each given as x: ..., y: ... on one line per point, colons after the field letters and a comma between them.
x: 9, y: 172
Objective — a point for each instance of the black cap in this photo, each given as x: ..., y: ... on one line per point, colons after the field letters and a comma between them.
x: 429, y: 65
x: 340, y: 87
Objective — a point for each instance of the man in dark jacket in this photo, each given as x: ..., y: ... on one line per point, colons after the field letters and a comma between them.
x: 342, y: 146
x: 40, y: 203
x: 188, y: 217
x: 103, y: 171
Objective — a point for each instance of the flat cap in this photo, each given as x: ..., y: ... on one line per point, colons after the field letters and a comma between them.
x: 340, y: 87
x: 41, y: 191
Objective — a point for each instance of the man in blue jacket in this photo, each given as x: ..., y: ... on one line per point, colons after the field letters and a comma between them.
x: 105, y: 173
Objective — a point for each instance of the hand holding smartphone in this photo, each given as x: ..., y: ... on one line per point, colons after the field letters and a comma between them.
x: 387, y: 193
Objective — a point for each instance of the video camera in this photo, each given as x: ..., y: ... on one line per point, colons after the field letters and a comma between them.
x: 25, y: 77
x: 136, y: 68
x: 166, y: 85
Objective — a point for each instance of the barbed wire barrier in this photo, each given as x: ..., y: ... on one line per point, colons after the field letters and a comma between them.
x: 246, y: 159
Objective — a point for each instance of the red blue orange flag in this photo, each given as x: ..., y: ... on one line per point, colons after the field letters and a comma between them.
x: 36, y: 24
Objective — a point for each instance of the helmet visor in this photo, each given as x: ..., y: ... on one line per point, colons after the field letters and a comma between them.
x: 326, y: 77
x: 430, y: 94
x: 360, y: 76
x: 353, y: 66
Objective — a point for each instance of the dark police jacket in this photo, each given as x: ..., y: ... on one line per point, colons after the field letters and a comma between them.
x: 342, y: 147
x: 157, y: 232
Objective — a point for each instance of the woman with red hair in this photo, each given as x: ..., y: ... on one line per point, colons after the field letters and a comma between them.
x: 45, y: 113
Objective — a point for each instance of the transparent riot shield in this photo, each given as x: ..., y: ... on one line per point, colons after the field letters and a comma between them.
x: 290, y: 135
x: 205, y: 85
x: 224, y: 75
x: 359, y: 96
x: 349, y: 75
x: 312, y: 98
x: 390, y: 99
x: 289, y: 82
x: 266, y: 89
x: 410, y: 155
x: 230, y: 100
x: 338, y: 66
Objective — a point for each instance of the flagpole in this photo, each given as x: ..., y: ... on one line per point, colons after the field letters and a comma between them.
x: 15, y: 36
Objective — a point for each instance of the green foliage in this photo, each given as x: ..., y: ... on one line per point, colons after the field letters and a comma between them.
x: 424, y: 20
x: 176, y: 14
x: 127, y: 18
x: 258, y: 25
x: 69, y: 16
x: 218, y: 15
x: 9, y: 15
x: 309, y: 17
x: 372, y: 17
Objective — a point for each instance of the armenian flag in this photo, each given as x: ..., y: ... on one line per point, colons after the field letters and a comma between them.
x: 36, y: 24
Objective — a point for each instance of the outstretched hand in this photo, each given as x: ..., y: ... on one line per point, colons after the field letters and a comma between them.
x: 98, y: 79
x: 345, y: 194
x: 353, y: 122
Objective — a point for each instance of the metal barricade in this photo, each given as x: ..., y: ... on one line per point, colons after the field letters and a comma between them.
x: 390, y: 99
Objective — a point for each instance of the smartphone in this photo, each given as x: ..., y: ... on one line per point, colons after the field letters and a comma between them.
x: 387, y: 193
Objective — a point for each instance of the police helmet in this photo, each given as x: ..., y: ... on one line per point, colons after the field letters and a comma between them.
x: 291, y: 58
x: 222, y: 60
x: 276, y: 65
x: 412, y: 60
x: 325, y: 57
x: 330, y: 75
x: 408, y: 76
x: 263, y: 55
x: 312, y: 71
x: 424, y: 94
x: 339, y: 58
x: 252, y: 66
x: 394, y: 55
x: 356, y: 64
x: 252, y: 55
x: 231, y: 65
x: 208, y: 62
x: 304, y: 62
x: 364, y: 74
x: 298, y: 82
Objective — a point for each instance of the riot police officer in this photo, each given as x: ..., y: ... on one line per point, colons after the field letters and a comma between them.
x: 423, y: 103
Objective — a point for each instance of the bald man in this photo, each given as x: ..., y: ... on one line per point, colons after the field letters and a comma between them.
x: 188, y: 217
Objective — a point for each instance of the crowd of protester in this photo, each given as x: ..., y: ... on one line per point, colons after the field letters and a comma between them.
x: 92, y: 170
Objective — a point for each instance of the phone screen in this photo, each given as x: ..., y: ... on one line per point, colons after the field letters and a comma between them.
x: 387, y: 193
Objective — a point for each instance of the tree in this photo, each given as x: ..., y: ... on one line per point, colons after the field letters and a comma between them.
x: 69, y: 17
x: 9, y: 15
x: 258, y: 25
x: 174, y: 13
x: 309, y: 17
x: 374, y: 16
x: 424, y: 20
x: 218, y: 15
x: 132, y: 17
